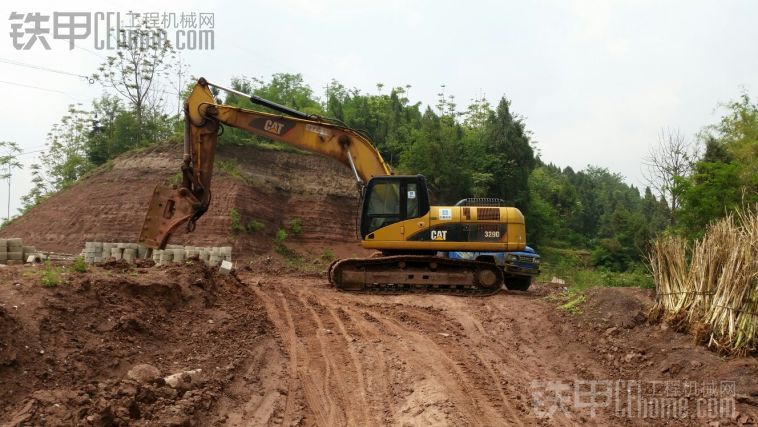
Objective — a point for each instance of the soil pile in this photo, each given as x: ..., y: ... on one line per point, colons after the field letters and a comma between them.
x: 96, y: 348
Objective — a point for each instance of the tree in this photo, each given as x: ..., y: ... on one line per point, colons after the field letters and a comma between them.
x: 65, y: 160
x: 8, y: 162
x: 726, y: 176
x: 509, y: 156
x: 144, y: 57
x: 670, y: 159
x: 38, y: 192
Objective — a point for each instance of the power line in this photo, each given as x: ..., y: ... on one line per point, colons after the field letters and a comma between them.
x: 90, y: 80
x: 32, y: 87
x: 30, y: 152
x: 90, y: 51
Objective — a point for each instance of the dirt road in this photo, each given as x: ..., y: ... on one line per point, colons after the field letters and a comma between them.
x: 278, y: 348
x: 443, y: 360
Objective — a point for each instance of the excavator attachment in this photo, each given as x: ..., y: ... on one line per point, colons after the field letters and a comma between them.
x: 169, y: 208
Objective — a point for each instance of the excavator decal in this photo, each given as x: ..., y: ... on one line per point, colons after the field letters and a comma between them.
x: 277, y: 127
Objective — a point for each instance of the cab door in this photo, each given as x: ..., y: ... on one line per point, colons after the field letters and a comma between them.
x: 390, y: 199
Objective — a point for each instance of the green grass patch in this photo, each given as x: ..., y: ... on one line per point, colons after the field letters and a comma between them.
x: 235, y: 221
x: 50, y: 276
x: 79, y: 265
x: 295, y: 226
x: 253, y: 226
x: 327, y: 255
x: 229, y: 167
x: 575, y: 267
x: 175, y: 179
x: 569, y: 300
x: 281, y: 235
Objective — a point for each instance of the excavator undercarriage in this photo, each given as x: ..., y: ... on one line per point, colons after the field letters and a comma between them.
x: 415, y: 273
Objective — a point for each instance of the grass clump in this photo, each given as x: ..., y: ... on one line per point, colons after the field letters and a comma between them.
x: 79, y: 265
x: 281, y: 235
x: 50, y: 277
x: 235, y: 221
x: 295, y: 226
x: 568, y: 300
x: 254, y: 226
x: 327, y: 255
x: 229, y: 167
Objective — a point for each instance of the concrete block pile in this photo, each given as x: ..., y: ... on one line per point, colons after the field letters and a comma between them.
x: 96, y: 252
x: 212, y: 256
x: 13, y: 251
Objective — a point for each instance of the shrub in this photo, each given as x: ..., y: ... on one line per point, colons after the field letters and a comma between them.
x: 79, y: 265
x: 281, y: 235
x: 254, y: 225
x: 295, y: 225
x: 235, y: 221
x: 50, y: 276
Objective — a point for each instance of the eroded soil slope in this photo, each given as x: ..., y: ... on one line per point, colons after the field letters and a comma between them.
x: 272, y: 187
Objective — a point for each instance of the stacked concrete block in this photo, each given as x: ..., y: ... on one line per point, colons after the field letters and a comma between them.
x: 129, y: 255
x: 104, y: 251
x: 13, y: 251
x: 95, y: 252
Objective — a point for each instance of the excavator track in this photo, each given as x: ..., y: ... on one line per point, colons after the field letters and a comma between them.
x: 399, y: 274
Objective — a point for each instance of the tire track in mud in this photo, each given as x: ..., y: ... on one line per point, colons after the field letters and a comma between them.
x: 319, y: 400
x: 371, y: 360
x: 286, y: 333
x: 378, y: 377
x: 337, y: 367
x: 357, y: 366
x: 483, y: 394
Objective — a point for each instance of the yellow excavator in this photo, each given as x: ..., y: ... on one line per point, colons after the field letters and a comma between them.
x: 396, y: 218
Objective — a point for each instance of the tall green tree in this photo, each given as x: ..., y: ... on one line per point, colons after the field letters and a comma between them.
x: 510, y: 157
x: 726, y: 176
x: 139, y: 72
x: 66, y: 160
x: 9, y: 152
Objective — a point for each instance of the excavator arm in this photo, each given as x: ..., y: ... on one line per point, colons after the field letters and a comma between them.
x: 170, y: 207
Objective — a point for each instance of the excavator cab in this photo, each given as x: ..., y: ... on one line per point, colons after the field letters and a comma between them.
x: 390, y: 199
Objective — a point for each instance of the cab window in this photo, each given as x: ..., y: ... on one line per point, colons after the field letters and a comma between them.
x: 384, y: 205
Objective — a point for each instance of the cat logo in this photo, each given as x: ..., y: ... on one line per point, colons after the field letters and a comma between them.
x: 439, y: 234
x: 273, y: 127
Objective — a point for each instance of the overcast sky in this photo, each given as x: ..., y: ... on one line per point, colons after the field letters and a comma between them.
x: 595, y: 80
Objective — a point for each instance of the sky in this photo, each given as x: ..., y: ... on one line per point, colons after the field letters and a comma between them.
x: 595, y: 81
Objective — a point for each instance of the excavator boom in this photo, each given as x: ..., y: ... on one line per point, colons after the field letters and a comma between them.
x: 396, y: 216
x: 171, y: 207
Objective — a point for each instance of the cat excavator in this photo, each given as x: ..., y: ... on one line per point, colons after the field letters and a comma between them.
x: 396, y: 218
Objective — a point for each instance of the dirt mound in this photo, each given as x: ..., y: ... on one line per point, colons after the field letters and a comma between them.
x: 272, y: 187
x: 68, y: 353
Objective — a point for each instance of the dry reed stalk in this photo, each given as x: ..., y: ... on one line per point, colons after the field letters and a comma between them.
x: 717, y: 291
